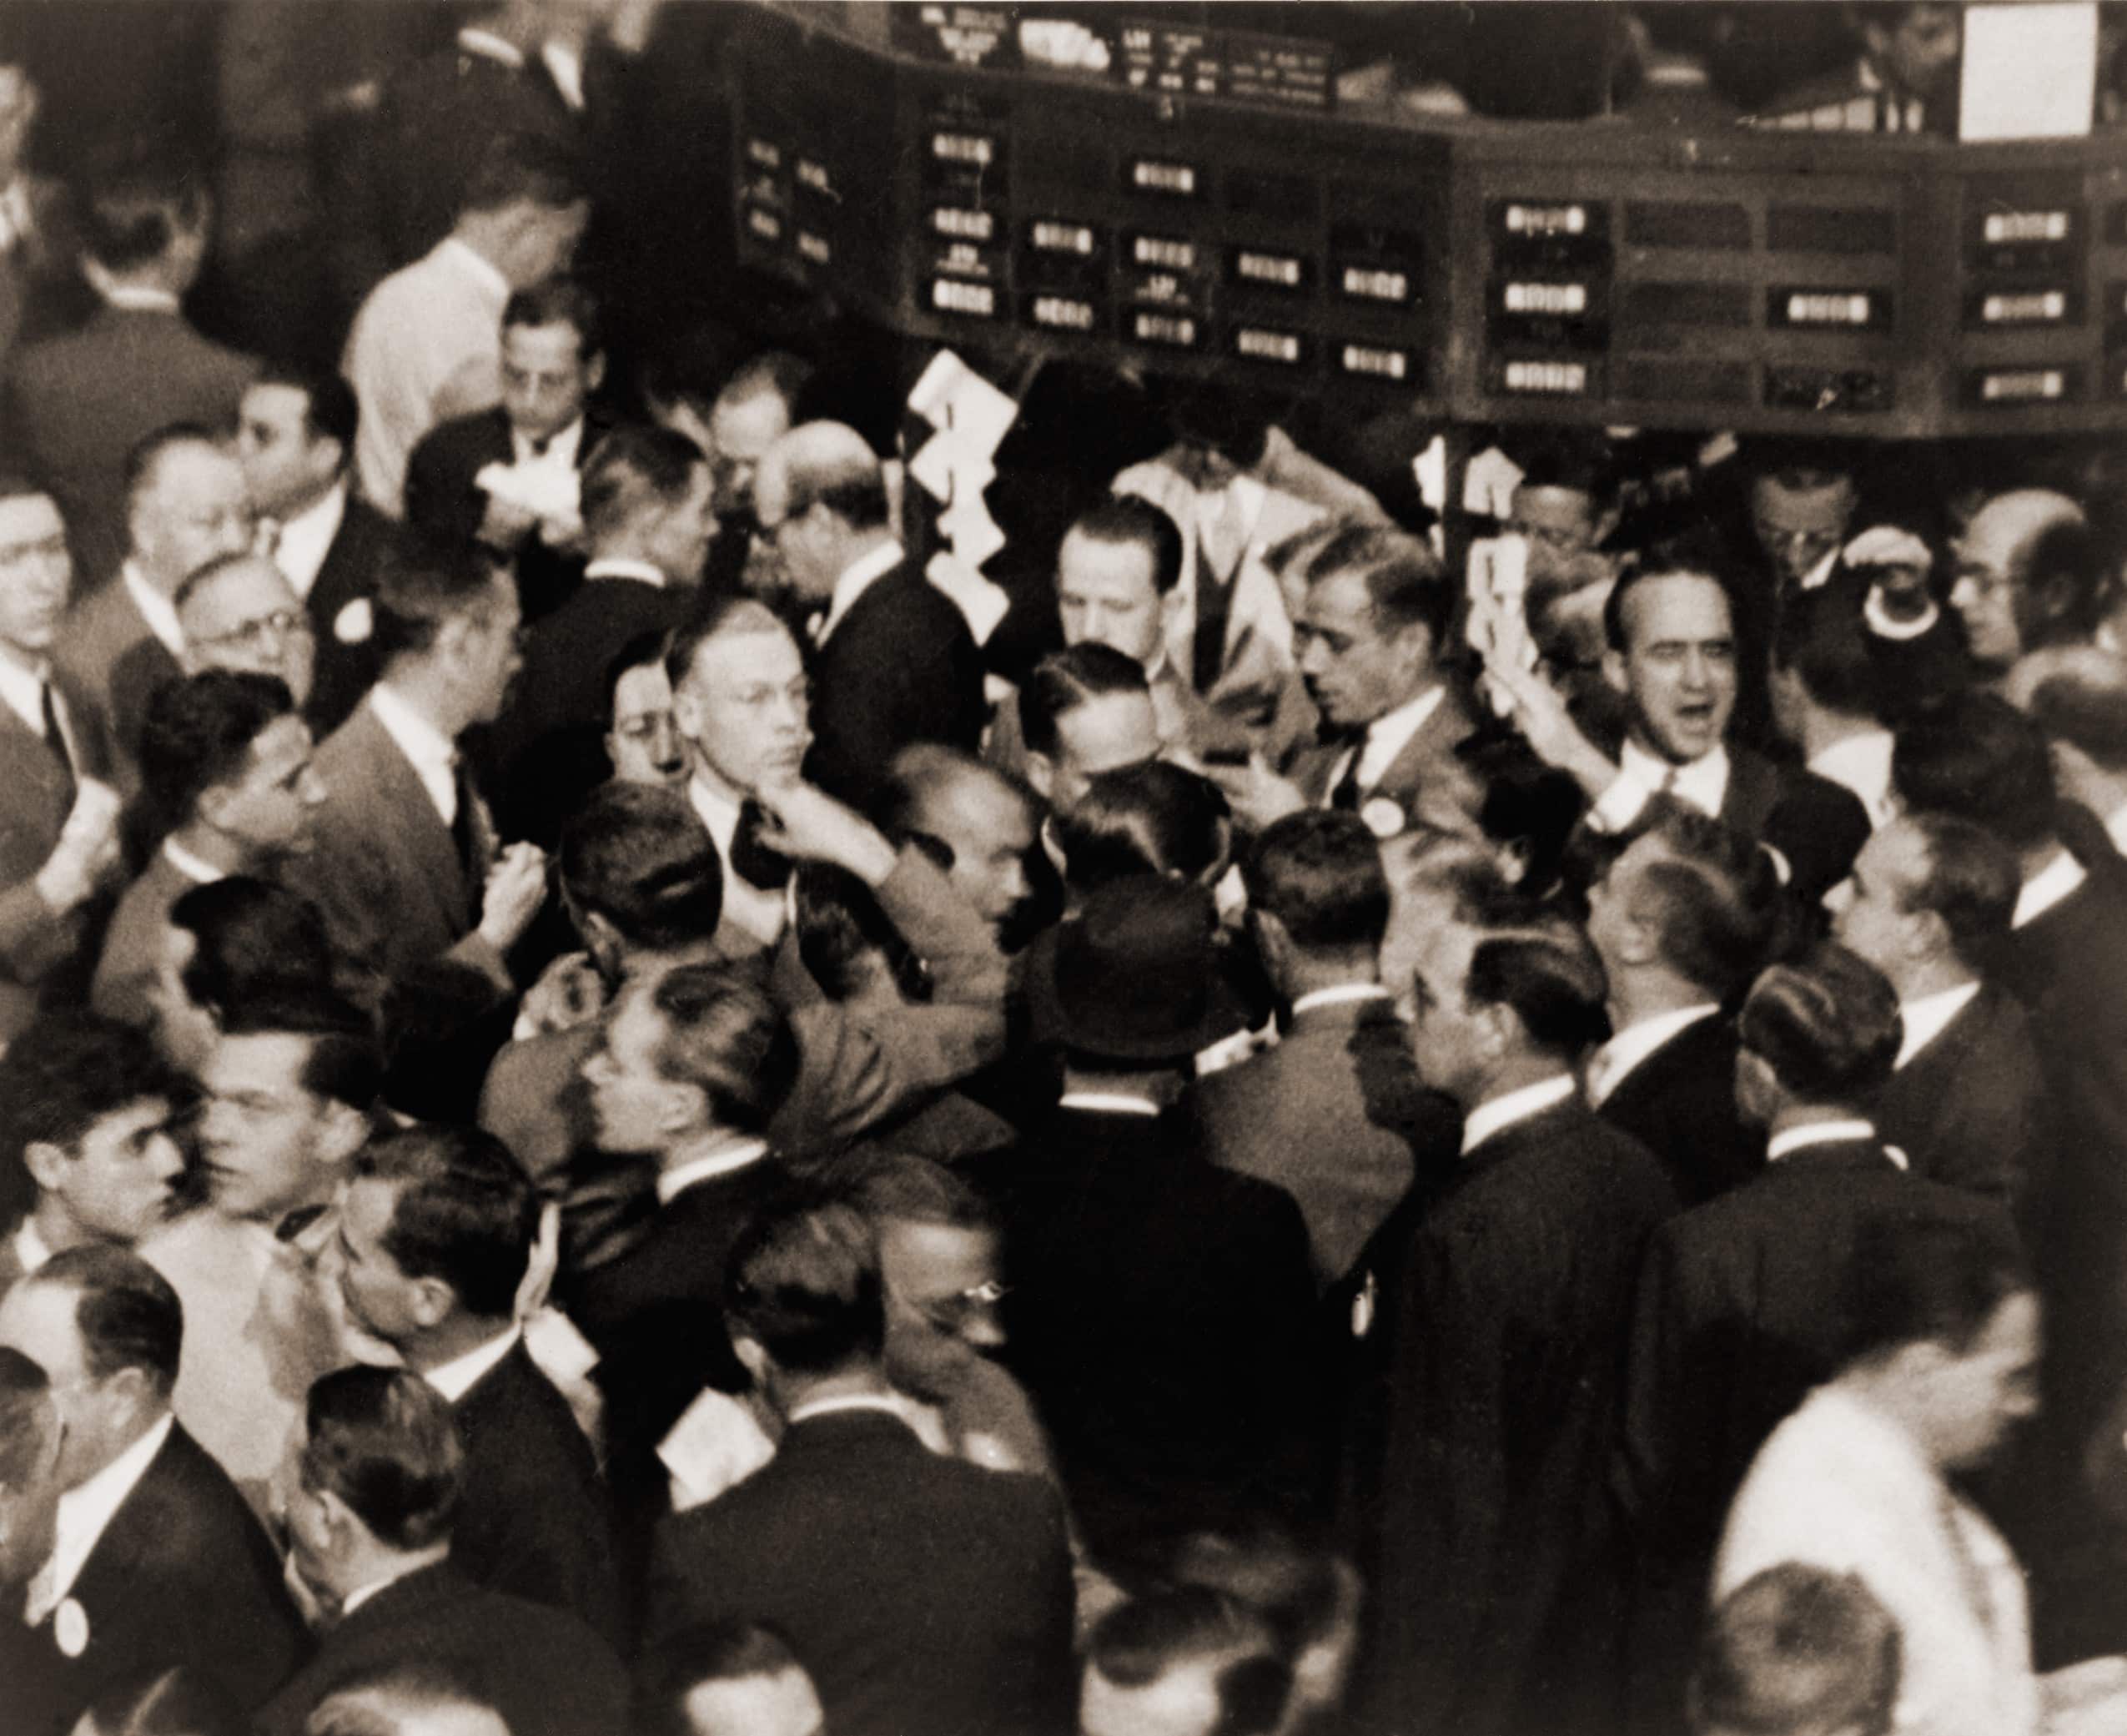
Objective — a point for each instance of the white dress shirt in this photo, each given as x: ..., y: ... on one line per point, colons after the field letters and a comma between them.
x: 557, y: 458
x: 458, y: 1376
x: 1863, y: 764
x: 22, y: 692
x: 84, y: 1514
x: 2046, y: 888
x: 725, y: 1161
x: 1703, y: 784
x: 1821, y: 1133
x: 1512, y: 1108
x: 619, y: 566
x: 763, y: 915
x: 1926, y: 1018
x: 427, y: 749
x: 1610, y: 1065
x: 302, y: 543
x: 1386, y: 737
x: 2116, y: 828
x: 30, y: 1249
x: 858, y: 578
x: 157, y: 610
x: 193, y: 867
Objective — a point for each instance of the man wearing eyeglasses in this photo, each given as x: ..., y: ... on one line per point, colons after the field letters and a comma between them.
x: 239, y: 613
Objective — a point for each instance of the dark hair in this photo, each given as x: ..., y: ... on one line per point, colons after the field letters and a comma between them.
x: 144, y: 458
x: 126, y: 1312
x: 1828, y: 1025
x: 1682, y: 563
x: 640, y: 652
x: 465, y: 1214
x: 176, y: 1700
x: 1977, y: 757
x: 773, y: 370
x: 20, y: 486
x: 1461, y: 868
x: 726, y: 1035
x: 640, y: 857
x: 342, y: 1059
x: 250, y: 937
x: 201, y: 577
x: 734, y: 613
x: 137, y: 206
x: 1132, y: 519
x: 1319, y: 872
x: 1972, y: 882
x: 558, y: 301
x: 2066, y: 586
x: 923, y: 771
x: 26, y: 1418
x: 385, y: 1442
x: 1581, y: 466
x: 1232, y: 419
x: 1137, y: 1642
x: 1548, y: 975
x: 1154, y: 818
x: 1796, y: 1648
x: 1821, y: 643
x: 2087, y: 710
x: 899, y: 1186
x: 633, y: 468
x: 524, y: 166
x: 804, y: 1284
x: 1716, y: 903
x: 331, y: 411
x: 423, y: 588
x: 1917, y: 1280
x: 682, y: 1661
x: 839, y: 923
x: 67, y: 1071
x: 198, y: 734
x: 1065, y: 680
x: 1405, y: 584
x: 399, y: 1695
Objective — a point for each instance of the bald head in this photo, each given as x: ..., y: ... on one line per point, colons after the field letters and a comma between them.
x: 2025, y: 566
x: 240, y: 612
x: 821, y: 494
x: 186, y: 505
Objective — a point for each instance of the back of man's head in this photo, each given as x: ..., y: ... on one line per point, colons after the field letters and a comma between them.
x: 137, y: 208
x: 466, y: 1213
x: 729, y: 1679
x: 1191, y: 1659
x: 1547, y: 974
x: 830, y: 465
x: 383, y: 1441
x: 66, y: 1072
x: 1711, y: 897
x: 1065, y: 680
x: 638, y: 856
x: 28, y: 1423
x: 725, y: 1036
x: 1827, y: 1026
x: 249, y: 937
x: 1319, y: 874
x: 410, y: 1697
x: 1979, y: 757
x: 1939, y: 1279
x: 1823, y: 648
x: 2080, y: 697
x: 804, y: 1285
x: 343, y: 1056
x: 197, y: 733
x: 523, y: 168
x: 125, y: 1311
x: 143, y: 462
x: 1972, y: 882
x: 634, y: 472
x: 420, y: 593
x: 1798, y: 1651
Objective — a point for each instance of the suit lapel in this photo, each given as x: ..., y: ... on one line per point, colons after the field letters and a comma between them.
x: 106, y: 1576
x: 411, y: 826
x: 1753, y: 793
x: 1425, y: 753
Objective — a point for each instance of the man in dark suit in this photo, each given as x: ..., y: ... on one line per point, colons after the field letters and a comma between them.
x: 893, y: 662
x: 648, y: 515
x: 1929, y: 904
x: 81, y: 401
x: 185, y: 507
x: 156, y: 1560
x: 295, y: 440
x: 1742, y: 1304
x: 1683, y: 920
x: 1160, y: 1305
x: 374, y: 1491
x: 58, y: 819
x: 509, y: 480
x: 1336, y: 1113
x: 919, y: 1591
x: 1496, y: 1600
x: 436, y: 1236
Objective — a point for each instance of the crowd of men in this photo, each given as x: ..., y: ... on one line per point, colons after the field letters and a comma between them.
x: 619, y: 1116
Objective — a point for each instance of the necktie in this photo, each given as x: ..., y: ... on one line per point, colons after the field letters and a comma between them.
x: 751, y: 860
x: 55, y: 738
x: 1344, y: 797
x: 467, y: 832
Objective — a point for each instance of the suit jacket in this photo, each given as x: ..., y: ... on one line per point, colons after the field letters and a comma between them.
x: 1336, y: 1115
x: 1818, y: 826
x: 134, y: 941
x: 444, y: 504
x: 181, y: 1574
x: 1497, y: 1603
x: 900, y: 667
x: 1430, y: 780
x: 1159, y: 1320
x: 533, y: 1521
x: 547, y: 1674
x: 112, y: 657
x: 1680, y: 1103
x: 38, y: 951
x: 352, y: 569
x: 925, y: 1596
x: 82, y: 401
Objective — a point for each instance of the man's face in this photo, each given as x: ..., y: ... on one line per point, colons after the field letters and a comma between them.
x: 247, y: 618
x: 196, y: 510
x: 27, y: 1510
x: 679, y: 541
x: 1448, y: 1041
x: 803, y: 542
x: 944, y: 1279
x: 269, y: 1143
x: 1798, y: 527
x: 302, y: 1524
x: 493, y: 649
x: 644, y: 742
x: 36, y: 573
x: 185, y: 1030
x: 1104, y: 594
x: 1107, y: 732
x: 1559, y: 522
x: 1988, y: 591
x: 1921, y: 52
x: 270, y: 808
x: 285, y: 468
x: 37, y: 1319
x: 116, y: 1179
x: 1612, y: 900
x: 381, y: 1298
x: 987, y: 826
x: 1870, y: 908
x: 744, y: 707
x: 783, y: 1704
x: 1355, y: 671
x: 1977, y: 1397
x: 1678, y: 669
x: 546, y: 378
x: 635, y: 1107
x: 543, y: 240
x: 740, y: 430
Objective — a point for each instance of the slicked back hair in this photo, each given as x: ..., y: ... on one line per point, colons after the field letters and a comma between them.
x: 1131, y: 519
x: 1829, y: 1025
x: 1547, y: 972
x: 383, y: 1441
x: 1715, y: 899
x: 1977, y: 757
x: 804, y: 1284
x: 125, y: 1311
x: 638, y: 856
x: 465, y: 1212
x: 1064, y: 680
x: 636, y: 470
x: 725, y: 1036
x: 1319, y: 872
x: 1972, y: 882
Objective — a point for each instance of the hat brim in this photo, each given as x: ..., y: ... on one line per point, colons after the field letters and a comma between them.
x: 1051, y: 1024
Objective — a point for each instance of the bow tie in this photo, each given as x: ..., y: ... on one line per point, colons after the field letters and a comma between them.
x: 753, y: 860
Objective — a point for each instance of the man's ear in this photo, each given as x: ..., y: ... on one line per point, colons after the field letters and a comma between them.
x: 1041, y: 773
x: 1614, y: 670
x: 686, y: 1105
x: 1273, y: 941
x: 594, y: 372
x: 344, y: 1131
x: 753, y: 1356
x: 46, y: 1163
x: 434, y: 1302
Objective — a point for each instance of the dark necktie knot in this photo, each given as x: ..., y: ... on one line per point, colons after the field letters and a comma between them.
x: 752, y: 859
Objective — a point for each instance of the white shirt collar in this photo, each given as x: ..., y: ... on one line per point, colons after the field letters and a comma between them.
x: 194, y: 868
x: 306, y: 539
x: 620, y: 566
x: 725, y: 1161
x: 1498, y: 1113
x: 2116, y: 828
x: 85, y: 1512
x: 1817, y: 1133
x: 1610, y: 1065
x: 1926, y: 1018
x: 141, y: 299
x: 486, y: 43
x: 458, y: 1376
x: 858, y: 578
x: 1339, y: 995
x: 1703, y: 784
x: 2046, y: 888
x: 559, y: 454
x: 1863, y: 764
x: 1389, y: 735
x: 471, y: 261
x: 22, y: 692
x: 428, y: 751
x: 157, y: 610
x: 30, y: 1249
x: 759, y: 912
x: 1108, y: 1102
x: 882, y: 1401
x: 566, y: 67
x: 1819, y: 576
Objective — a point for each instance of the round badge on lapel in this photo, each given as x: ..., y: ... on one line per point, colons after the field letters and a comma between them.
x: 70, y: 1627
x: 354, y: 623
x: 1384, y: 819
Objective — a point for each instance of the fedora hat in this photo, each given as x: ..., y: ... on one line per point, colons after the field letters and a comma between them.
x: 1138, y: 974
